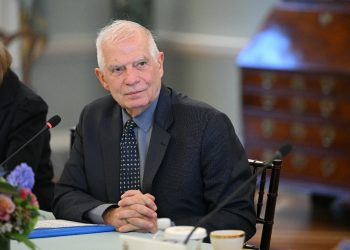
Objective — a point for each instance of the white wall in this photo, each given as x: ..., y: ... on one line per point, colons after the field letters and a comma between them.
x: 64, y: 75
x: 202, y: 39
x: 9, y: 24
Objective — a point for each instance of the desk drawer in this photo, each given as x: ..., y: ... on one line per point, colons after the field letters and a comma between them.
x: 319, y: 166
x: 315, y: 133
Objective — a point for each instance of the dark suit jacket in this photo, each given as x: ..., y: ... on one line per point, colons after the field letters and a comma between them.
x: 194, y: 161
x: 22, y: 115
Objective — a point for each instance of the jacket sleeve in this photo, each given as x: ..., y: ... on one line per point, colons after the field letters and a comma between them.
x: 225, y: 168
x: 72, y: 199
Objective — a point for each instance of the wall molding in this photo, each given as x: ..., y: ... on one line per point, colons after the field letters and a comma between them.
x: 180, y: 42
x: 201, y: 44
x: 72, y: 43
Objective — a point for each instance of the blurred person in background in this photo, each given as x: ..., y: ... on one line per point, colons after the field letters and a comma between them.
x: 22, y: 114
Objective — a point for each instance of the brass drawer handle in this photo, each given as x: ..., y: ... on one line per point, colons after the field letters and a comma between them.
x: 325, y: 18
x: 267, y: 80
x: 267, y: 128
x: 298, y: 105
x: 299, y: 161
x: 328, y: 167
x: 298, y: 83
x: 327, y: 85
x: 268, y: 102
x: 327, y: 135
x: 267, y: 154
x: 327, y: 107
x: 298, y: 130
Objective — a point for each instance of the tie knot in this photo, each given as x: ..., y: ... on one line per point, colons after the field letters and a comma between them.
x: 130, y: 125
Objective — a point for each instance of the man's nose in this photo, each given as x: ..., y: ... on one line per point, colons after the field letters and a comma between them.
x: 131, y: 75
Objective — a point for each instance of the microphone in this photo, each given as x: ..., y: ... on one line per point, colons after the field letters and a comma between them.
x: 51, y: 123
x: 281, y: 152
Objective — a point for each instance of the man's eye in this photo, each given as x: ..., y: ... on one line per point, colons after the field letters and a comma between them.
x: 141, y: 64
x: 117, y: 70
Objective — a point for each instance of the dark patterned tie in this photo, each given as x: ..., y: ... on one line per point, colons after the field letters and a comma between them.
x: 130, y: 160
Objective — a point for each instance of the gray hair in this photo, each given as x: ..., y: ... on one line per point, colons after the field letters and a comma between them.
x: 5, y: 61
x: 119, y: 30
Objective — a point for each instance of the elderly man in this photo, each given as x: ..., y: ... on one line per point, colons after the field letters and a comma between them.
x: 146, y: 151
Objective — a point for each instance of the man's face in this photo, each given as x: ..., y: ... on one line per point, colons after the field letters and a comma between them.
x: 131, y: 74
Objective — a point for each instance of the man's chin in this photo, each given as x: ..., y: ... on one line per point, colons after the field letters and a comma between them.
x: 136, y: 109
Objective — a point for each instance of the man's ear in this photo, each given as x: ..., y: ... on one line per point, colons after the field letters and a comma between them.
x: 101, y: 77
x: 160, y: 59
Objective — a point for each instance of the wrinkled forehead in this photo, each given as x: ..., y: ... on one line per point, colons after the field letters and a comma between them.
x: 134, y: 40
x: 126, y: 50
x: 127, y: 41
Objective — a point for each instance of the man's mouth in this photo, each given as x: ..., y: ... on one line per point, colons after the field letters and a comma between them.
x: 134, y: 92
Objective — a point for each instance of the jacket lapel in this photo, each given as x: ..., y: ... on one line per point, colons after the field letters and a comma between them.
x: 159, y: 139
x: 110, y: 132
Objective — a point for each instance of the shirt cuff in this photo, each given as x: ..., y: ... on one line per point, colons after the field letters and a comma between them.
x: 95, y: 214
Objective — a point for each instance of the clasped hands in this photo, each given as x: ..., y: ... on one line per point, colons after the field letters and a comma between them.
x: 135, y: 212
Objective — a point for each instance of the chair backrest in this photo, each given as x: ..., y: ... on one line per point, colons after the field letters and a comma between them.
x: 72, y: 137
x: 266, y: 198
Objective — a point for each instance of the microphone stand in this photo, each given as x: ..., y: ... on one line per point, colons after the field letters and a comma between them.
x: 19, y: 149
x: 50, y: 124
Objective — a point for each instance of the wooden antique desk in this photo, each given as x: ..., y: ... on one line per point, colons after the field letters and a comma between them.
x: 295, y: 76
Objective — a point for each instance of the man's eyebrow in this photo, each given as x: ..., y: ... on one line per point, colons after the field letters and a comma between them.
x: 144, y: 58
x: 113, y: 66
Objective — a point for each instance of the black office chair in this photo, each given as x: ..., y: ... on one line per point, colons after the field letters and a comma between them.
x: 265, y: 212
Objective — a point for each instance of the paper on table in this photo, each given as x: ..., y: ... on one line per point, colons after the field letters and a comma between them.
x: 54, y: 228
x: 59, y: 223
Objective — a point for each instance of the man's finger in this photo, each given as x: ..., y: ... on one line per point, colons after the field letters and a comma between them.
x: 145, y: 225
x: 129, y: 193
x: 151, y: 196
x: 138, y: 199
x: 127, y: 228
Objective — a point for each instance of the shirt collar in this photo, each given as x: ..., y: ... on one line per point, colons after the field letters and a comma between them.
x: 145, y: 119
